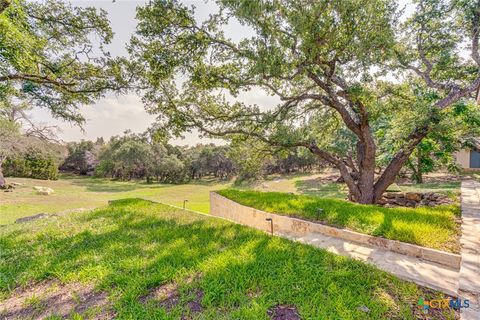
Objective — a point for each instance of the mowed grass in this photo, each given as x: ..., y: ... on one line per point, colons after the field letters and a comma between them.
x: 132, y: 246
x: 426, y: 226
x: 72, y: 192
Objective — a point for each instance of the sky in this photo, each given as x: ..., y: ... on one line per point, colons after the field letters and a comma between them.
x: 115, y: 114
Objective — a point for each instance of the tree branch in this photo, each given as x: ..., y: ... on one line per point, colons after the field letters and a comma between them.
x: 476, y: 34
x: 389, y: 174
x: 4, y: 5
x: 338, y: 163
x: 338, y: 106
x: 35, y: 78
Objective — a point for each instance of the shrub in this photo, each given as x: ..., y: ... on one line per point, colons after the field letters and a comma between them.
x: 31, y: 166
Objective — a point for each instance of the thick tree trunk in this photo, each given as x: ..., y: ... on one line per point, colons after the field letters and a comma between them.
x: 391, y: 171
x: 366, y: 153
x: 360, y: 179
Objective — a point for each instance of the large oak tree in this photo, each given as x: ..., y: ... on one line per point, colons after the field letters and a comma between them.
x: 334, y: 66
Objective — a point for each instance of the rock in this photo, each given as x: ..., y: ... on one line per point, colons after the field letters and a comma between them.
x: 413, y: 196
x: 43, y: 190
x: 401, y: 201
x: 414, y: 199
x: 34, y: 217
x: 411, y: 204
x: 434, y: 196
x: 382, y: 201
x: 390, y: 195
x: 428, y: 195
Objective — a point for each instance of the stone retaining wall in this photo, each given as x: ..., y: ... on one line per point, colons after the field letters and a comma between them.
x: 233, y: 211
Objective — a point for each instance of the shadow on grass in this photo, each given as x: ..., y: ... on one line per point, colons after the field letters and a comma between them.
x: 109, y: 185
x: 315, y: 188
x: 134, y: 245
x: 451, y: 186
x: 426, y: 226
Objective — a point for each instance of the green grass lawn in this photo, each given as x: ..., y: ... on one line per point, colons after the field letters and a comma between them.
x: 430, y: 227
x: 323, y: 185
x: 73, y: 192
x: 133, y: 246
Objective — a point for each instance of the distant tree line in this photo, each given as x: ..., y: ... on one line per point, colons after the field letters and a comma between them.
x: 38, y: 159
x: 139, y: 156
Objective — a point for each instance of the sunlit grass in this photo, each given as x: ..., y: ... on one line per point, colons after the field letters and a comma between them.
x: 133, y: 245
x: 426, y: 226
x: 73, y: 192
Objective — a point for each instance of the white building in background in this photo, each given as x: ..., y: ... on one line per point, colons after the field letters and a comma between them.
x: 468, y: 159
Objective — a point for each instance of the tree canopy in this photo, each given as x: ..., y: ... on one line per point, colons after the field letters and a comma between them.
x: 344, y: 71
x: 53, y: 55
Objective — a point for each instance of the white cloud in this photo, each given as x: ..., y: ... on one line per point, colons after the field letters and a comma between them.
x: 109, y: 116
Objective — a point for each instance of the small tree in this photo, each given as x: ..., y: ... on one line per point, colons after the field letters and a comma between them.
x: 126, y: 158
x: 82, y: 157
x: 323, y: 60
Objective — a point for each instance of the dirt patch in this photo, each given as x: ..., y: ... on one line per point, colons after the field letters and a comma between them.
x: 168, y: 296
x: 283, y: 312
x: 52, y: 298
x: 195, y: 305
x: 325, y: 178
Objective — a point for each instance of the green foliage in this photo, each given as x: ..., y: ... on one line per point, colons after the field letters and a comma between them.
x: 249, y: 157
x: 133, y: 156
x: 48, y: 56
x: 126, y: 158
x: 26, y: 156
x: 296, y: 160
x: 329, y: 66
x: 210, y: 160
x: 133, y: 246
x: 455, y: 128
x: 82, y: 156
x: 139, y: 157
x: 290, y: 42
x: 440, y: 33
x: 430, y: 227
x: 31, y: 165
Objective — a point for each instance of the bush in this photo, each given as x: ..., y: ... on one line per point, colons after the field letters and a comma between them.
x: 31, y: 166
